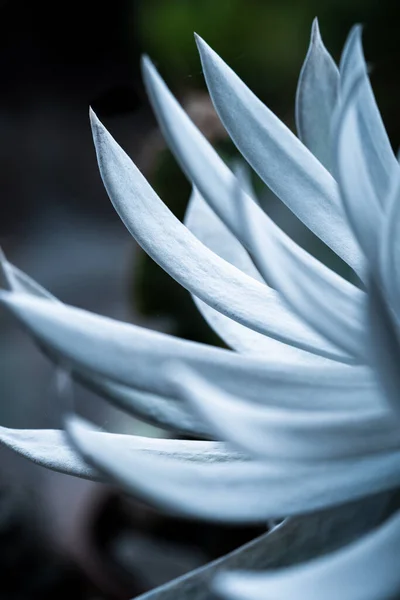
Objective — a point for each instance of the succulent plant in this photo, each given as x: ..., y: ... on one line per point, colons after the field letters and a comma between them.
x: 307, y: 400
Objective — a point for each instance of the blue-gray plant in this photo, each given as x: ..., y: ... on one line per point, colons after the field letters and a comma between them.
x: 307, y: 401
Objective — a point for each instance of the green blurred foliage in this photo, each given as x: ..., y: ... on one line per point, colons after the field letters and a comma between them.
x: 264, y: 41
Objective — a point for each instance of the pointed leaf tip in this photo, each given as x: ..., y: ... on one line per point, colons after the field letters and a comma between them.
x: 146, y: 64
x: 94, y: 120
x: 315, y: 32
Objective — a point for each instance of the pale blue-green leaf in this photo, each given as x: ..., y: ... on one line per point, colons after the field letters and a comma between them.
x: 167, y: 413
x: 205, y: 224
x: 185, y: 258
x: 206, y: 169
x: 389, y: 249
x: 241, y: 491
x: 209, y: 229
x: 288, y: 434
x: 331, y: 305
x: 353, y: 174
x: 281, y: 160
x: 382, y: 163
x: 367, y: 569
x: 295, y: 540
x: 384, y: 348
x: 156, y: 409
x: 134, y: 356
x: 50, y: 448
x: 316, y: 98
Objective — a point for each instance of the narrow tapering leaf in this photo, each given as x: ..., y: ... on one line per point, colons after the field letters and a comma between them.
x: 241, y: 491
x: 316, y: 98
x: 331, y: 305
x: 293, y: 541
x: 276, y: 433
x: 209, y: 229
x: 382, y: 163
x: 134, y: 356
x: 291, y: 171
x: 50, y: 448
x: 186, y: 259
x: 154, y: 408
x: 367, y: 569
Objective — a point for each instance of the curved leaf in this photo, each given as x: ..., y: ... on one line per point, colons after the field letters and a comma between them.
x: 293, y: 541
x: 353, y: 174
x: 288, y: 434
x: 384, y: 346
x: 156, y: 409
x: 316, y: 98
x: 248, y: 492
x: 388, y: 272
x: 331, y: 305
x: 209, y: 173
x: 202, y: 221
x: 368, y: 569
x: 134, y: 356
x: 281, y: 160
x: 186, y: 259
x: 50, y: 448
x: 382, y: 163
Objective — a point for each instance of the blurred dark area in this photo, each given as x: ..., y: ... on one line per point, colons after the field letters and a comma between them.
x: 57, y: 59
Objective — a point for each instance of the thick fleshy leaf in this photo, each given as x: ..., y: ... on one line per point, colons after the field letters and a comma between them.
x: 330, y: 304
x: 247, y: 492
x: 368, y: 569
x: 209, y: 229
x: 382, y: 163
x: 384, y: 348
x: 167, y: 413
x: 208, y: 172
x: 281, y: 160
x: 156, y: 409
x: 293, y: 541
x: 135, y: 357
x: 50, y: 448
x: 297, y: 435
x: 389, y: 250
x: 316, y: 98
x: 185, y: 258
x: 353, y: 174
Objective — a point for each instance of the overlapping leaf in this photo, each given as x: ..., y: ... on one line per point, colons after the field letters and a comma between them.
x: 209, y: 229
x: 155, y: 408
x: 331, y: 305
x: 316, y: 99
x: 366, y: 570
x: 290, y: 170
x: 245, y: 492
x: 276, y: 433
x: 50, y: 448
x: 382, y: 164
x: 132, y: 356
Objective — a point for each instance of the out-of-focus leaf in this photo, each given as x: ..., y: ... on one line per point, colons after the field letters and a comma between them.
x: 276, y: 433
x: 134, y: 356
x: 50, y: 448
x: 156, y: 409
x: 368, y: 569
x: 247, y: 492
x: 293, y: 541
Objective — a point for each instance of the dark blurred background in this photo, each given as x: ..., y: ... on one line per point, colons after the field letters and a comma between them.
x: 56, y: 222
